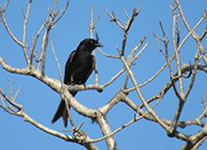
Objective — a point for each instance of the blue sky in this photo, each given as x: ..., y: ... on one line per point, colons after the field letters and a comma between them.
x: 40, y: 102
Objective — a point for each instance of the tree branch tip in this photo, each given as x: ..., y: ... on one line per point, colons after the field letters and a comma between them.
x: 49, y: 10
x: 172, y: 7
x: 204, y: 13
x: 67, y: 131
x: 77, y: 129
x: 136, y: 12
x: 125, y: 12
x: 5, y: 6
x: 23, y: 13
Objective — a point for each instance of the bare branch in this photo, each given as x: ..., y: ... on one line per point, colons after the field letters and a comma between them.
x: 189, y: 33
x: 178, y: 60
x: 140, y: 52
x: 19, y: 107
x: 6, y: 5
x: 45, y: 37
x: 132, y: 58
x: 34, y: 42
x: 8, y: 29
x: 59, y: 69
x: 113, y: 17
x: 91, y: 27
x: 107, y: 55
x: 126, y: 29
x: 194, y: 72
x: 205, y: 31
x: 114, y: 77
x: 62, y: 14
x: 24, y: 32
x: 106, y: 130
x: 125, y: 12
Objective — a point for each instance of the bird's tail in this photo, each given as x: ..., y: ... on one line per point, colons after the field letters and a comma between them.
x: 61, y: 112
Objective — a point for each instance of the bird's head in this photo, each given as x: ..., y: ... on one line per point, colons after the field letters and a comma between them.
x: 89, y: 45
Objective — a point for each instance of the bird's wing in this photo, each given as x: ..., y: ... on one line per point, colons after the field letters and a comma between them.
x: 89, y: 71
x: 67, y: 77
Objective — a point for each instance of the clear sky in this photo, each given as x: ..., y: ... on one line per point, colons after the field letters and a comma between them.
x: 40, y: 102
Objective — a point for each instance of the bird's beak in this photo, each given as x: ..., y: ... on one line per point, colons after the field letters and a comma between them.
x: 99, y: 45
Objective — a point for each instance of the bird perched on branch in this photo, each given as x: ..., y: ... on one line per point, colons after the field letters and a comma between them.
x: 78, y: 68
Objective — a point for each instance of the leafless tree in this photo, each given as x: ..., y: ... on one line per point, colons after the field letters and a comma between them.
x: 36, y: 68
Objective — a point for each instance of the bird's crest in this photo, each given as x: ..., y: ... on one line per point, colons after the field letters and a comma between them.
x: 97, y: 37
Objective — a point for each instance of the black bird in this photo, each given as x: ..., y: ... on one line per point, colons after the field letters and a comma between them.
x: 78, y: 68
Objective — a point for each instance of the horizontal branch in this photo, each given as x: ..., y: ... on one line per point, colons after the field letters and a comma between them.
x: 78, y: 87
x: 54, y: 84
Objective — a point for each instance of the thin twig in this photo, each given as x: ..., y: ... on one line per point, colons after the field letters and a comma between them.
x: 113, y: 17
x: 59, y: 69
x: 62, y: 14
x: 189, y: 33
x: 6, y: 5
x: 126, y: 29
x: 178, y: 59
x: 8, y: 29
x: 91, y: 28
x: 24, y: 32
x: 140, y: 52
x: 114, y: 78
x: 19, y: 107
x: 17, y: 92
x: 107, y: 55
x: 194, y: 70
x: 130, y: 60
x: 10, y: 89
x: 125, y: 12
x: 34, y: 42
x: 46, y: 36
